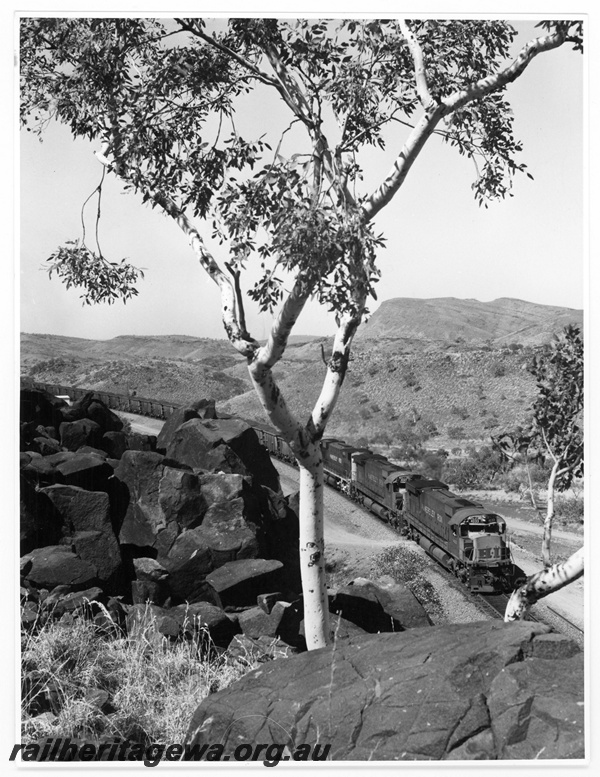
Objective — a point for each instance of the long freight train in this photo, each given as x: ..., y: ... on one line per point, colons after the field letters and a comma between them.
x: 463, y: 536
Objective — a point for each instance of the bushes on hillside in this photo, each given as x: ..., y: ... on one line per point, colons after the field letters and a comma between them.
x: 479, y: 468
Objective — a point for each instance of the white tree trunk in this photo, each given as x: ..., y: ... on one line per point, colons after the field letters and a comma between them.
x: 312, y: 551
x: 542, y: 583
x: 547, y: 538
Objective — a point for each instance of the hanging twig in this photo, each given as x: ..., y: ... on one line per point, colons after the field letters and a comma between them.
x: 99, y: 190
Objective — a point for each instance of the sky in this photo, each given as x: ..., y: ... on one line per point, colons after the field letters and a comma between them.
x: 440, y: 243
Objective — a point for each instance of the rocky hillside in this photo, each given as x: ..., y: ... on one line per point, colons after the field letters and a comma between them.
x: 447, y: 319
x: 446, y: 370
x: 390, y: 395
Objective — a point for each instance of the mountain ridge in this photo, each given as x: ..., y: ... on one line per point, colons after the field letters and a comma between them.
x: 447, y: 319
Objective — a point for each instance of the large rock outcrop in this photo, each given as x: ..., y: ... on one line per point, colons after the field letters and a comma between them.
x: 101, y: 506
x: 485, y: 690
x: 227, y: 445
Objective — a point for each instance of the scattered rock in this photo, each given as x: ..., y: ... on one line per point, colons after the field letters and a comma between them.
x: 204, y: 408
x: 239, y: 582
x: 60, y: 565
x: 76, y: 434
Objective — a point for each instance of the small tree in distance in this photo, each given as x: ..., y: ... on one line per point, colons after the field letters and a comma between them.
x: 555, y: 430
x: 160, y: 99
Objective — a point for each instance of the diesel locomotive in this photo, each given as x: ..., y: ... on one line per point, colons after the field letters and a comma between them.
x: 465, y: 537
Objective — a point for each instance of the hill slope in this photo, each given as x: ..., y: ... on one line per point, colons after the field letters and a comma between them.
x: 452, y: 369
x: 446, y: 319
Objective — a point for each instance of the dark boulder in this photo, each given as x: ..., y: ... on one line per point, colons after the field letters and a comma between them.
x: 41, y: 524
x: 536, y: 708
x: 141, y: 442
x: 41, y: 407
x: 238, y: 583
x: 59, y: 565
x: 114, y: 444
x: 188, y: 562
x: 181, y: 497
x: 468, y: 691
x: 196, y: 442
x: 86, y: 470
x: 150, y: 584
x: 230, y: 532
x: 105, y: 418
x: 95, y: 451
x: 41, y: 470
x: 139, y: 473
x: 45, y: 445
x: 215, y: 512
x: 102, y: 551
x: 283, y: 621
x: 59, y: 458
x: 80, y: 510
x: 203, y: 409
x: 76, y: 434
x: 379, y: 607
x: 205, y: 623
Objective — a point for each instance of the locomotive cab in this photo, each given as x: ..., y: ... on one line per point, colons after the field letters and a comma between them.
x: 482, y: 545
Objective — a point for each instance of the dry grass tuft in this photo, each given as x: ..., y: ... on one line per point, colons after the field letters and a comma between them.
x: 81, y: 683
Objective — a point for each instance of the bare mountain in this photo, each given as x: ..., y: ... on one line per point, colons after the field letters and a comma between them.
x: 447, y: 319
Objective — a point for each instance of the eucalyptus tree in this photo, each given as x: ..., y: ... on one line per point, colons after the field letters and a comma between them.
x: 558, y: 416
x: 160, y: 97
x: 556, y: 428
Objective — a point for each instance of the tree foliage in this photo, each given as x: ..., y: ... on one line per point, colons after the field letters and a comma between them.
x: 558, y: 407
x: 161, y: 97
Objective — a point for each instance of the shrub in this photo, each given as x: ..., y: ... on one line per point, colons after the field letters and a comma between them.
x: 479, y: 468
x: 569, y: 509
x: 491, y: 423
x: 433, y: 465
x: 461, y: 412
x: 456, y: 433
x: 410, y: 379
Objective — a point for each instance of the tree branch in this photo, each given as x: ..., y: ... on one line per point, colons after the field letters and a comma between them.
x: 542, y: 583
x: 236, y: 333
x: 382, y: 196
x: 500, y: 79
x: 256, y: 72
x: 284, y: 322
x: 416, y: 51
x: 410, y: 151
x: 336, y: 372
